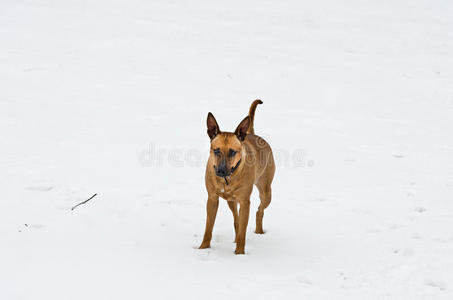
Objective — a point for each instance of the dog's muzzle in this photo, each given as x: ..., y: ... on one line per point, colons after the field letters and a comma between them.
x: 221, y: 171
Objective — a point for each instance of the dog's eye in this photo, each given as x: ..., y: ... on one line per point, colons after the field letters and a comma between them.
x: 232, y: 153
x: 217, y: 152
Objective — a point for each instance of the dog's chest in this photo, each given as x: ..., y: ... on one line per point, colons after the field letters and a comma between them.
x: 226, y: 193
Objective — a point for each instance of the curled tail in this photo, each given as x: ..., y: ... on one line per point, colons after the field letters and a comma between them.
x: 255, y: 103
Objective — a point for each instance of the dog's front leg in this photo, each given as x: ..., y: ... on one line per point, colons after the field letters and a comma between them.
x: 211, y: 210
x: 243, y: 221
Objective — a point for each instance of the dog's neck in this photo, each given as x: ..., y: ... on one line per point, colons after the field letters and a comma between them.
x: 232, y: 171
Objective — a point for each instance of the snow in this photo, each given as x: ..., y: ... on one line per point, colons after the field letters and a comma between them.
x: 111, y: 97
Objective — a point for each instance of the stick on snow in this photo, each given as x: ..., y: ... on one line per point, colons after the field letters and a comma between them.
x: 83, y: 202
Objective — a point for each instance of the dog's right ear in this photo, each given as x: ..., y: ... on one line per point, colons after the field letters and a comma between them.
x: 213, y: 127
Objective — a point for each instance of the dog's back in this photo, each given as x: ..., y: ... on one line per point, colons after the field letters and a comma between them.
x: 259, y: 154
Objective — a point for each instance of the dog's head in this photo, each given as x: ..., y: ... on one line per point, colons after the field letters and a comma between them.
x: 226, y: 147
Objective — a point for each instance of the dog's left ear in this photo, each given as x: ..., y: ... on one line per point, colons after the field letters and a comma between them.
x: 241, y: 130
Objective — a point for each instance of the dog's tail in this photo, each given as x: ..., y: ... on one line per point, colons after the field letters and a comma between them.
x: 255, y: 103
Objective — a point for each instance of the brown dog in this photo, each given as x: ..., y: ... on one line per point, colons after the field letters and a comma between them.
x: 236, y: 162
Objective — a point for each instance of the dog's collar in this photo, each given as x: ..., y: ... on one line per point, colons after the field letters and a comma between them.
x: 232, y: 170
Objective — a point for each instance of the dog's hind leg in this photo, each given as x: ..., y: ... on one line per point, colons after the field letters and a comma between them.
x: 234, y: 209
x: 264, y: 187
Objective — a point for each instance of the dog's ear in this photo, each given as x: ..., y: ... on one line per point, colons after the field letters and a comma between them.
x: 241, y: 130
x: 213, y: 127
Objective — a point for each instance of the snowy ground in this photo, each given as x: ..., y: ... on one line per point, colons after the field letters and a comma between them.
x: 111, y: 97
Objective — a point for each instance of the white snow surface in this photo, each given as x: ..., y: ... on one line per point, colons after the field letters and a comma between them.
x: 111, y: 97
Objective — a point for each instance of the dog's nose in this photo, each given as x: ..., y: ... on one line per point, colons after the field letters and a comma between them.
x: 222, y: 172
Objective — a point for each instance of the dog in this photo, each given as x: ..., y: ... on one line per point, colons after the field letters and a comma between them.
x: 237, y: 161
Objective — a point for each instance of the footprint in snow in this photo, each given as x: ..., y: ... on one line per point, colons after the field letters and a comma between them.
x: 405, y: 252
x: 395, y: 226
x: 444, y: 239
x: 36, y: 226
x: 41, y: 188
x: 304, y: 281
x: 410, y: 194
x: 416, y: 236
x: 420, y: 209
x: 373, y: 230
x: 205, y: 254
x: 436, y: 284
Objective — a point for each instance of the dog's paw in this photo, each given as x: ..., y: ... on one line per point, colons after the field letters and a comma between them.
x: 259, y: 231
x: 205, y: 245
x: 239, y: 251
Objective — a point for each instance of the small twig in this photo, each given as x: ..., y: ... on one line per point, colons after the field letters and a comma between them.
x: 83, y: 202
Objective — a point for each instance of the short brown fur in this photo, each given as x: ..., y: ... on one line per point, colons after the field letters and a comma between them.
x: 243, y: 159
